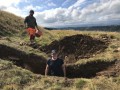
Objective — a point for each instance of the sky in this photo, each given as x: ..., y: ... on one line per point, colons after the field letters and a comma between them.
x: 66, y: 13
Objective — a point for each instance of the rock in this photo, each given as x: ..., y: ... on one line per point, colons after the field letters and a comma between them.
x: 117, y: 50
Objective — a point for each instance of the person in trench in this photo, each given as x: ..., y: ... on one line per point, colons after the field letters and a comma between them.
x: 55, y: 66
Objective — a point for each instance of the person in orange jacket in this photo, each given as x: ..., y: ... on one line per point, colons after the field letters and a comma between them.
x: 31, y: 26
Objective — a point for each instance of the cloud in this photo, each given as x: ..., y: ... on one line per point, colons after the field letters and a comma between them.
x: 27, y: 1
x: 29, y: 7
x: 78, y: 3
x: 11, y: 6
x: 104, y: 10
x: 66, y: 2
x: 55, y: 15
x: 79, y: 13
x: 3, y: 7
x: 51, y: 4
x: 16, y: 11
x: 9, y: 2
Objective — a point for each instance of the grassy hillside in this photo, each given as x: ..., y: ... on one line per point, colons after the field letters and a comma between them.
x: 22, y: 66
x: 10, y: 24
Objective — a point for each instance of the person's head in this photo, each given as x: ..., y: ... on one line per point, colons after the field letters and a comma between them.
x: 54, y: 54
x: 31, y: 12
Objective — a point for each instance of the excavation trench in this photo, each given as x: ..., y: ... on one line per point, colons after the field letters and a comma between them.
x: 37, y: 64
x: 88, y: 70
x: 31, y: 61
x: 74, y: 47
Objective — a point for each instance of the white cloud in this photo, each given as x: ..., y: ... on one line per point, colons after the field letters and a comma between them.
x: 33, y: 7
x: 51, y: 16
x: 2, y: 7
x: 15, y: 11
x: 111, y: 16
x: 66, y: 2
x: 100, y: 10
x: 11, y: 6
x: 93, y: 13
x: 51, y: 4
x: 78, y: 3
x: 27, y: 1
x: 9, y: 2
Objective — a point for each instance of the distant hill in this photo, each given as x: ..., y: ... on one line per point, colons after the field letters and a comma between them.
x: 91, y: 28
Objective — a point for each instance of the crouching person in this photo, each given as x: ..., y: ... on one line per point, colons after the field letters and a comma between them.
x: 55, y: 66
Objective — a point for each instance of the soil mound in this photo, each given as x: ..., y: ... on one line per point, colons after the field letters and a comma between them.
x: 76, y: 47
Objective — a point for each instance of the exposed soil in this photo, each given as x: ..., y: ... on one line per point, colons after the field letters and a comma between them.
x: 113, y: 70
x: 76, y: 47
x: 90, y: 69
x: 37, y: 64
x: 31, y: 61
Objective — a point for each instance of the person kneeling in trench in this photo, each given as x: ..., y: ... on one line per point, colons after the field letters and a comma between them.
x: 55, y: 66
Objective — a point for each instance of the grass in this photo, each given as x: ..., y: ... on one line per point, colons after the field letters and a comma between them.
x: 104, y: 83
x: 61, y: 33
x: 80, y: 83
x: 10, y: 24
x: 99, y: 83
x: 15, y: 78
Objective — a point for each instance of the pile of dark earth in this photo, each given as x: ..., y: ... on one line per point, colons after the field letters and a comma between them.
x: 76, y: 47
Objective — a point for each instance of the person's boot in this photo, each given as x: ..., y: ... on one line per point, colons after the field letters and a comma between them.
x: 32, y: 42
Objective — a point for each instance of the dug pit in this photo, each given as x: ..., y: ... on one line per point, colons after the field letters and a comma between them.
x: 78, y: 45
x: 30, y: 61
